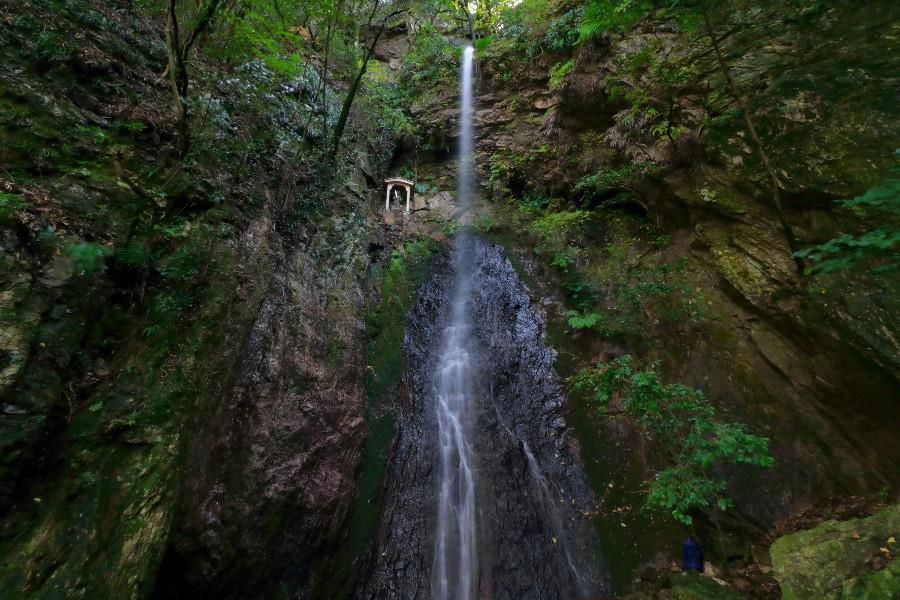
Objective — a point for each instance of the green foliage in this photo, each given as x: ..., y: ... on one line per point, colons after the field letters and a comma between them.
x: 534, y: 202
x: 565, y: 258
x: 558, y: 74
x: 10, y: 206
x: 563, y: 31
x: 262, y: 29
x: 609, y: 179
x: 425, y: 188
x: 877, y: 247
x: 686, y: 429
x: 602, y: 15
x: 87, y: 257
x: 484, y: 223
x: 580, y: 292
x: 846, y: 251
x: 505, y: 162
x: 502, y: 163
x: 559, y: 234
x: 431, y: 61
x: 658, y: 290
x: 586, y: 320
x: 420, y: 248
x: 137, y: 255
x: 481, y: 44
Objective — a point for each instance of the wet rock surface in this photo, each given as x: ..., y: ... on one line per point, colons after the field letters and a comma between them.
x: 532, y: 540
x: 271, y: 476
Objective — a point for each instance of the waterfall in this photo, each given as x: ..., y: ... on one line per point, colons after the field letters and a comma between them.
x: 466, y: 158
x: 455, y: 568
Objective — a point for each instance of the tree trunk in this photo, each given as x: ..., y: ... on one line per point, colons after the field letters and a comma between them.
x: 206, y: 19
x: 178, y: 77
x: 348, y: 101
x: 745, y: 111
x: 354, y: 87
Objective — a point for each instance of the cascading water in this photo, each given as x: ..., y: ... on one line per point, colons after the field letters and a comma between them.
x: 466, y: 157
x: 483, y: 497
x: 454, y: 573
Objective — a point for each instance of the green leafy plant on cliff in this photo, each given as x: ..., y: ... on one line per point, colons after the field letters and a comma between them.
x: 632, y: 297
x: 10, y: 206
x: 685, y: 428
x: 558, y: 74
x: 659, y: 292
x: 602, y: 15
x: 610, y: 179
x: 877, y: 246
x: 562, y: 32
x: 87, y: 257
x: 559, y: 235
x: 432, y: 61
x: 586, y: 320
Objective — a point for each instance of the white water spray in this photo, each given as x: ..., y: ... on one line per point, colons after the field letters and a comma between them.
x: 466, y: 158
x: 455, y: 569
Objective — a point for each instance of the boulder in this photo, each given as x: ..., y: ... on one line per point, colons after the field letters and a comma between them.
x: 853, y: 559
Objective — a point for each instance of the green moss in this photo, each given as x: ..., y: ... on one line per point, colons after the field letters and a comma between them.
x: 693, y: 586
x: 739, y: 271
x: 841, y: 560
x: 386, y: 327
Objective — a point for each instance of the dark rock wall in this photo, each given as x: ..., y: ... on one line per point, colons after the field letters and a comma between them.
x: 270, y: 477
x: 532, y: 541
x: 222, y: 438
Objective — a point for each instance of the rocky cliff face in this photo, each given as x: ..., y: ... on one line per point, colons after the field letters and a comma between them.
x: 183, y: 344
x: 534, y: 541
x: 182, y: 341
x: 270, y: 476
x: 800, y: 358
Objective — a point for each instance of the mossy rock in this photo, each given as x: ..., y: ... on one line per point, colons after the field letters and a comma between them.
x: 693, y: 586
x: 685, y: 586
x: 841, y: 559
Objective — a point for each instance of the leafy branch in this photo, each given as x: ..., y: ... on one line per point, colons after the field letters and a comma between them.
x: 878, y: 245
x: 685, y: 427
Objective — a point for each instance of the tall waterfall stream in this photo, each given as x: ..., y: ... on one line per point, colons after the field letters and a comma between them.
x: 484, y: 497
x: 455, y: 566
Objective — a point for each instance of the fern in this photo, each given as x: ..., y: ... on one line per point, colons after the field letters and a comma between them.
x: 87, y: 257
x: 588, y: 320
x: 10, y: 206
x: 558, y: 74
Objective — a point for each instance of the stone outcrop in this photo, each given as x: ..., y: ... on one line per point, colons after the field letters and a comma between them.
x: 846, y: 560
